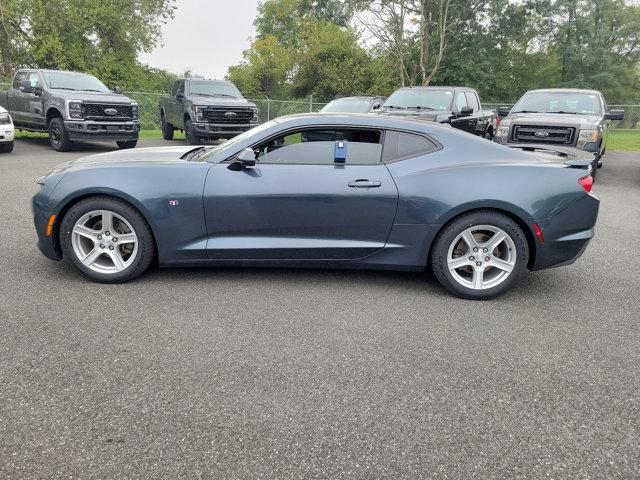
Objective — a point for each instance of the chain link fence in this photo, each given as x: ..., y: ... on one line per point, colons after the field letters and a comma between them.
x: 269, y: 109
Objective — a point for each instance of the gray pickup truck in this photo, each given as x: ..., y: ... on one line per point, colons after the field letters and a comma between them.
x: 206, y: 109
x: 566, y: 117
x: 71, y: 107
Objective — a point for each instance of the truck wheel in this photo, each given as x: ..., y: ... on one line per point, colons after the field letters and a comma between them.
x: 6, y: 147
x: 167, y: 130
x: 189, y: 135
x: 58, y: 137
x: 127, y: 144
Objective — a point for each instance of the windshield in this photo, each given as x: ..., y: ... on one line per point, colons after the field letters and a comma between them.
x: 230, y: 145
x: 559, y: 102
x: 74, y: 81
x: 343, y: 105
x: 435, y: 99
x: 214, y: 89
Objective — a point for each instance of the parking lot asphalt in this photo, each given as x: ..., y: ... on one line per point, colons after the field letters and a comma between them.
x: 248, y: 373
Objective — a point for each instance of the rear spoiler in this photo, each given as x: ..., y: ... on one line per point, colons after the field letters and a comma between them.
x: 579, y: 163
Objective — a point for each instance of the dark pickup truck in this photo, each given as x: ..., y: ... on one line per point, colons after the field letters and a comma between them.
x: 568, y: 117
x: 206, y: 109
x: 71, y: 106
x: 458, y: 106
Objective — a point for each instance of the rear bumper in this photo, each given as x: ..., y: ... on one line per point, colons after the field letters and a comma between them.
x: 102, y: 131
x: 566, y: 234
x: 221, y: 130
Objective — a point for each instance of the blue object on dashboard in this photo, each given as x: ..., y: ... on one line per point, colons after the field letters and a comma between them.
x: 340, y: 151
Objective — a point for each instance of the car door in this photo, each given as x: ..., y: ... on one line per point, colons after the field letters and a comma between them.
x: 480, y: 123
x: 462, y: 123
x: 177, y: 103
x: 32, y: 103
x: 15, y: 98
x: 298, y: 203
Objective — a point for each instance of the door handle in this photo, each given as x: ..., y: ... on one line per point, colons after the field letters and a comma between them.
x: 364, y: 183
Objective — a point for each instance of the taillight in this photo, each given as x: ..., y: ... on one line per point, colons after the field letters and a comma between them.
x: 586, y: 182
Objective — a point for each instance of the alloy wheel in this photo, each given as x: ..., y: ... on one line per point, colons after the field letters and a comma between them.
x: 481, y: 257
x: 104, y: 241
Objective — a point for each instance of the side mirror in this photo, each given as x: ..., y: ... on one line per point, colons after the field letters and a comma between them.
x: 246, y: 158
x: 615, y: 115
x: 37, y: 91
x: 503, y: 111
x: 25, y: 86
x: 376, y: 106
x: 117, y: 90
x: 465, y: 112
x: 180, y: 96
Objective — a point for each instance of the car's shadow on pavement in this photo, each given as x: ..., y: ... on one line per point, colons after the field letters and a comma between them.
x: 77, y: 146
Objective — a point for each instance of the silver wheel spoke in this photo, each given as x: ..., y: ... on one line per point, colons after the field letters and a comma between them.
x: 91, y: 257
x: 496, y: 240
x: 469, y: 239
x: 478, y: 276
x: 502, y: 265
x: 107, y: 221
x: 458, y: 262
x: 127, y: 238
x: 86, y: 232
x: 117, y: 260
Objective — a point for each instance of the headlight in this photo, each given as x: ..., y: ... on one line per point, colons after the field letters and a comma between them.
x: 5, y: 118
x: 587, y: 136
x: 76, y: 110
x: 503, y: 133
x: 135, y: 111
x: 199, y: 111
x: 255, y: 115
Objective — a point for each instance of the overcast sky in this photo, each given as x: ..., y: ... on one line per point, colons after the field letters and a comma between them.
x: 206, y: 36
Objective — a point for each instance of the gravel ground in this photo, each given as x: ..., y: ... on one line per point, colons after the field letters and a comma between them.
x: 247, y: 373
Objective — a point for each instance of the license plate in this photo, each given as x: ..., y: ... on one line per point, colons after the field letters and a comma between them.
x: 112, y: 128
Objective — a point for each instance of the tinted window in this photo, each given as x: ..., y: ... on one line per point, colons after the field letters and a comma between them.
x: 213, y: 89
x: 461, y: 101
x: 347, y: 106
x: 472, y: 101
x: 434, y: 99
x: 401, y: 145
x: 551, y: 102
x: 312, y: 146
x: 18, y: 79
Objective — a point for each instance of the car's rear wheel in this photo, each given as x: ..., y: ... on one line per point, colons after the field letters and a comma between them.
x: 167, y: 129
x: 58, y: 136
x: 480, y: 255
x: 125, y: 144
x: 190, y: 135
x: 6, y: 147
x: 107, y: 240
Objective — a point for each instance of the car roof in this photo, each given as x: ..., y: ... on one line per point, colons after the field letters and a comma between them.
x: 437, y: 87
x: 361, y: 120
x: 207, y: 80
x: 360, y: 97
x: 53, y: 70
x: 565, y: 90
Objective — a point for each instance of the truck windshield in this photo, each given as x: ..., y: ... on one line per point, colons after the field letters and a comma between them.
x: 434, y: 99
x: 559, y: 102
x: 214, y: 89
x: 74, y: 81
x: 343, y: 105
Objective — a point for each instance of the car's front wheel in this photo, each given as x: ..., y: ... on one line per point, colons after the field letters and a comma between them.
x: 107, y: 240
x: 125, y: 144
x: 6, y: 147
x: 480, y: 255
x: 190, y: 134
x: 58, y: 136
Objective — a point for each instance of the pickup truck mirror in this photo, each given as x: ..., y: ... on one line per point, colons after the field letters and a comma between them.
x: 615, y: 115
x: 179, y: 96
x: 25, y: 86
x: 503, y: 111
x: 117, y: 90
x: 246, y: 158
x: 465, y: 112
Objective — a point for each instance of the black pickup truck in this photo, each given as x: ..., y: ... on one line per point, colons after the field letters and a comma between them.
x: 71, y: 106
x: 458, y: 106
x: 206, y: 109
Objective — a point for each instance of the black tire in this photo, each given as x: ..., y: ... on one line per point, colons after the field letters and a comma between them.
x: 124, y: 144
x: 594, y: 168
x: 146, y: 245
x: 6, y: 147
x: 58, y: 136
x: 488, y: 135
x: 190, y: 135
x: 450, y: 233
x: 167, y: 130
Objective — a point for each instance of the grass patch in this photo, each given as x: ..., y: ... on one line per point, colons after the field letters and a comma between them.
x: 624, y: 139
x: 158, y: 134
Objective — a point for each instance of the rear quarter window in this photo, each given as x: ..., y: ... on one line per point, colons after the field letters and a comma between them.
x: 403, y: 145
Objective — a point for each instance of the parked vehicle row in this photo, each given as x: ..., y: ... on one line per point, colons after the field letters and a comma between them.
x: 7, y: 131
x: 70, y: 107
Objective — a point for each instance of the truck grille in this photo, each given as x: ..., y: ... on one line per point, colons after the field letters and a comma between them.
x: 232, y: 115
x: 94, y: 111
x: 543, y: 134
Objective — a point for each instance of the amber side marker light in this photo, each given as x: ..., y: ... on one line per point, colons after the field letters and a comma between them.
x: 538, y: 232
x: 52, y: 219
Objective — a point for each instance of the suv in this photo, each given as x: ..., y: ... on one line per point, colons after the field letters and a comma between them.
x: 458, y: 106
x: 71, y: 106
x: 211, y: 109
x: 567, y: 117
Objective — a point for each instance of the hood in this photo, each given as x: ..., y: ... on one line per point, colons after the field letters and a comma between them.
x: 92, y: 97
x: 136, y: 155
x: 555, y: 119
x: 220, y: 101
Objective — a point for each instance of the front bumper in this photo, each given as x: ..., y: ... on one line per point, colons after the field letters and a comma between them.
x: 566, y: 234
x: 79, y: 130
x: 7, y: 133
x: 46, y: 244
x: 221, y: 130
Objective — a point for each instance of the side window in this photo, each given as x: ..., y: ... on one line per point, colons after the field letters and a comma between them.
x: 472, y: 101
x: 403, y: 145
x: 34, y: 79
x: 461, y: 101
x: 180, y: 87
x: 317, y: 147
x: 18, y: 79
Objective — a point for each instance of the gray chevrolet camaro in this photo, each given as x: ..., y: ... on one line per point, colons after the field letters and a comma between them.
x: 323, y: 190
